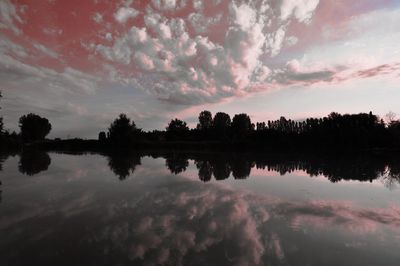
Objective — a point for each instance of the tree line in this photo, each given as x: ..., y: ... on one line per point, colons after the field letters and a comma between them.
x: 363, y: 130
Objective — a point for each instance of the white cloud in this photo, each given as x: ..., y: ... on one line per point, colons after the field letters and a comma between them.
x: 123, y: 14
x: 167, y: 58
x: 302, y: 10
x: 198, y: 4
x: 244, y: 16
x: 275, y: 41
x: 144, y: 61
x: 164, y: 4
x: 188, y: 68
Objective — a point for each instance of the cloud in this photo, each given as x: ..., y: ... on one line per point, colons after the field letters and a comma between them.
x: 168, y: 231
x: 9, y: 16
x: 187, y: 53
x: 53, y: 94
x: 7, y: 47
x: 45, y: 50
x: 296, y: 73
x: 385, y: 69
x: 201, y: 24
x: 15, y: 73
x: 354, y: 220
x: 124, y: 13
x: 97, y: 17
x: 189, y: 68
x: 165, y: 4
x: 302, y: 10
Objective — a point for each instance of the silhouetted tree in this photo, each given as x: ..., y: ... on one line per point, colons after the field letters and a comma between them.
x: 33, y: 162
x: 123, y: 164
x: 177, y: 126
x: 34, y: 127
x: 177, y: 130
x: 122, y: 130
x: 102, y: 136
x: 1, y: 118
x: 205, y: 120
x: 221, y: 124
x: 241, y: 125
x: 261, y: 126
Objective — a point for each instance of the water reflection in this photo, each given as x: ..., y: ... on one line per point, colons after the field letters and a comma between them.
x: 3, y: 157
x: 33, y: 162
x: 336, y: 168
x: 160, y: 219
x: 123, y: 164
x: 176, y: 162
x: 220, y: 166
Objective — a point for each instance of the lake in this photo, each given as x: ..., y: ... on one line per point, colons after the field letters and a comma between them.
x: 199, y: 209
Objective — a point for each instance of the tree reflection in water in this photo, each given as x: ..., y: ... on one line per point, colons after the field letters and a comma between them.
x: 205, y: 170
x: 33, y: 162
x: 176, y: 163
x: 221, y: 168
x: 362, y: 167
x: 3, y: 157
x: 123, y: 164
x: 181, y: 222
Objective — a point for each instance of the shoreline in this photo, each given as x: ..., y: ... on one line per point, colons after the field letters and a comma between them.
x: 96, y: 146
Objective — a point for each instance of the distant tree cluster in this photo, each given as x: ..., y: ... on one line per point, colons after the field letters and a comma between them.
x: 364, y: 130
x: 349, y: 131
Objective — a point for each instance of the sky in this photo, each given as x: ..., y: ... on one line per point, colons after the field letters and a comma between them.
x: 81, y: 63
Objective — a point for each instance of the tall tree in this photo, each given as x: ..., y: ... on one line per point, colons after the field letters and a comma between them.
x: 122, y: 129
x: 241, y: 124
x: 222, y: 121
x: 205, y: 120
x: 34, y: 127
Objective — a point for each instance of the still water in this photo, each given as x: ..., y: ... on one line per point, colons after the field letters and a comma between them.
x: 199, y: 209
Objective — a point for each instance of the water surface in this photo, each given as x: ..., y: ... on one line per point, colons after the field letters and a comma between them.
x: 199, y: 209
